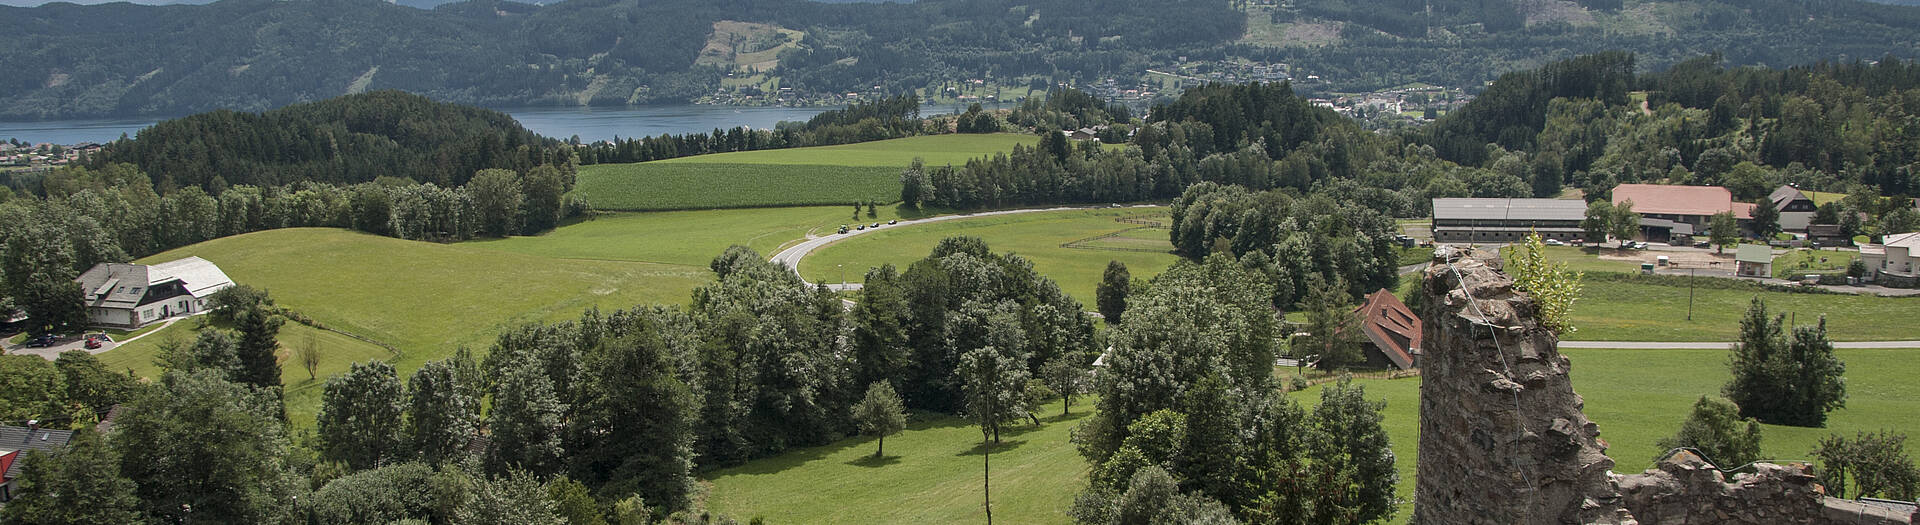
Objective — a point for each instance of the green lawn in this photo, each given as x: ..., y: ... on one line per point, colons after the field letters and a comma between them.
x: 1798, y: 263
x: 1036, y: 236
x: 425, y: 299
x: 931, y: 474
x: 1623, y: 311
x: 868, y: 171
x: 683, y: 237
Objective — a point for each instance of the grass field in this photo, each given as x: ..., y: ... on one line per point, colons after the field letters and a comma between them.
x: 425, y: 299
x: 868, y: 171
x: 931, y: 474
x: 337, y: 353
x: 1797, y: 263
x: 683, y: 237
x: 1036, y: 236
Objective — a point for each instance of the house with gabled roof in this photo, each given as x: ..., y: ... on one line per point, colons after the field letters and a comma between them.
x: 1796, y: 207
x: 17, y: 442
x: 1669, y: 211
x: 124, y: 295
x: 1393, y: 332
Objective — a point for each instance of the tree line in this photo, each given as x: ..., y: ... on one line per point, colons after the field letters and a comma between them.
x: 887, y: 118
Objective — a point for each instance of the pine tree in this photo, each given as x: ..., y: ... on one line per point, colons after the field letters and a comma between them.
x: 1333, y: 328
x: 1350, y: 456
x: 1111, y: 296
x: 258, y: 347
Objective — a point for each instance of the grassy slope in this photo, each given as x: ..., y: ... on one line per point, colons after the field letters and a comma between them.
x: 1036, y: 236
x: 426, y: 299
x: 337, y: 353
x: 785, y: 177
x: 683, y: 237
x: 931, y: 474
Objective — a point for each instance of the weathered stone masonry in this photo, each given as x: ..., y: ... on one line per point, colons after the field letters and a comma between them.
x: 1503, y: 439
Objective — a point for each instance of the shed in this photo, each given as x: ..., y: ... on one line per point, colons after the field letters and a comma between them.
x: 1753, y: 260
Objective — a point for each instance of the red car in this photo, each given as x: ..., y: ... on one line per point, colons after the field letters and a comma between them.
x: 95, y: 341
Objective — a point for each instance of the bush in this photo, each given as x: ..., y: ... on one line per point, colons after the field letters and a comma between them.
x: 1876, y: 463
x: 1717, y: 431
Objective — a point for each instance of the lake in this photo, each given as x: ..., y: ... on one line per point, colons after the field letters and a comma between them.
x: 591, y: 124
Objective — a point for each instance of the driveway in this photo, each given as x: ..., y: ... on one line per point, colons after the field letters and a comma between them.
x: 76, y: 343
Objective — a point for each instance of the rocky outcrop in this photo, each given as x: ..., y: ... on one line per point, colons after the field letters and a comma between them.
x: 1502, y: 436
x: 1503, y: 439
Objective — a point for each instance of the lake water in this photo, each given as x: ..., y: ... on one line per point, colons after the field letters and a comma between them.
x: 591, y: 124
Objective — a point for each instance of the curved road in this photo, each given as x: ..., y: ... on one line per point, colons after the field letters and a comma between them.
x: 793, y: 254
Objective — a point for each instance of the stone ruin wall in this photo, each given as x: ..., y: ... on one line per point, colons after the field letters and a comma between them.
x: 1503, y: 438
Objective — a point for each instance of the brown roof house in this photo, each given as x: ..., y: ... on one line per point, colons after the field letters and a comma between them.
x: 1393, y: 332
x: 1668, y: 211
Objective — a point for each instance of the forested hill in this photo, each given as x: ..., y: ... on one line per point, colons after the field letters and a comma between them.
x: 67, y: 60
x: 342, y: 140
x: 120, y: 59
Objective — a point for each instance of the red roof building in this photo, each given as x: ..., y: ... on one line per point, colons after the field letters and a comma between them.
x: 1678, y: 211
x: 1393, y: 332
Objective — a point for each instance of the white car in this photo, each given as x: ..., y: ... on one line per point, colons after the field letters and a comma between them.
x: 1555, y: 242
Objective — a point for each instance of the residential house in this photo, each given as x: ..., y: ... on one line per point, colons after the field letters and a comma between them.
x: 1393, y: 332
x: 125, y: 295
x: 17, y: 442
x: 1669, y: 213
x: 1895, y: 261
x: 1796, y: 208
x: 1507, y: 220
x: 1753, y: 260
x: 1827, y: 235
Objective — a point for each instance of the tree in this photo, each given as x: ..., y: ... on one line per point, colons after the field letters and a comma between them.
x: 573, y: 503
x: 497, y: 199
x: 1599, y: 221
x: 1066, y: 374
x: 391, y: 494
x: 545, y: 190
x: 1723, y: 230
x: 80, y: 485
x: 214, y: 349
x: 442, y: 414
x: 165, y: 445
x: 308, y: 354
x: 915, y: 186
x: 880, y: 414
x: 1716, y: 429
x: 880, y: 329
x: 1766, y: 218
x: 1112, y: 292
x: 1626, y: 223
x: 1352, y: 460
x: 259, y: 346
x: 632, y: 428
x: 525, y: 420
x: 1333, y: 328
x: 1899, y: 220
x: 30, y: 388
x: 1552, y: 287
x: 53, y: 305
x: 90, y: 384
x: 1784, y: 380
x: 360, y: 421
x: 514, y: 499
x: 1876, y: 462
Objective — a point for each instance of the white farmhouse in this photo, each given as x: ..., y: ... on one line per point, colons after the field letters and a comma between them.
x: 132, y: 295
x: 1895, y: 261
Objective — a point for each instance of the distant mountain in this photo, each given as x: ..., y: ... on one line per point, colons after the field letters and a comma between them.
x: 68, y: 60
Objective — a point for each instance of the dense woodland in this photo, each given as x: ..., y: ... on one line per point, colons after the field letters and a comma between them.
x: 887, y: 118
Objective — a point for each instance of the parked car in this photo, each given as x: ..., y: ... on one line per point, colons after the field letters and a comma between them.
x: 876, y: 225
x: 1579, y: 242
x: 1554, y: 242
x: 862, y: 227
x: 92, y: 344
x: 1702, y: 244
x: 843, y: 228
x: 893, y: 221
x: 1641, y: 245
x: 42, y: 341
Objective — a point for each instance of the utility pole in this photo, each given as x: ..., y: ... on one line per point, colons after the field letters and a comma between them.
x: 1690, y: 294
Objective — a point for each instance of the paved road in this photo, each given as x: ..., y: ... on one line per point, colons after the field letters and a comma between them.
x: 1671, y: 345
x: 792, y: 255
x: 53, y: 352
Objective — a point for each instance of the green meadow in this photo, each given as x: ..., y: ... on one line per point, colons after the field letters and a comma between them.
x: 868, y: 171
x: 684, y: 237
x: 425, y: 299
x: 1036, y: 236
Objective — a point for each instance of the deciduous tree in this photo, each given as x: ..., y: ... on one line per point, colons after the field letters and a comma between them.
x: 80, y: 485
x: 880, y: 414
x: 442, y: 413
x: 1715, y: 428
x: 361, y: 417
